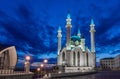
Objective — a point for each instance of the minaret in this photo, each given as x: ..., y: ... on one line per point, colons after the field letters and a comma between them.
x: 68, y: 28
x: 82, y: 43
x: 59, y: 39
x: 79, y: 35
x: 92, y: 31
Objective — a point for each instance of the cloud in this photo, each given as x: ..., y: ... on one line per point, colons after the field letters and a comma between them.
x: 47, y: 55
x: 36, y: 64
x: 32, y: 26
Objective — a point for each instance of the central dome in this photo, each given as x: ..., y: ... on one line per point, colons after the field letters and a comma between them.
x: 75, y: 38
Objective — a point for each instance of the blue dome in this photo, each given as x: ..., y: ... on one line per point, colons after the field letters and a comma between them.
x: 75, y: 38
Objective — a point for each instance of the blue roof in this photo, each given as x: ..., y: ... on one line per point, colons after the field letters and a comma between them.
x: 75, y: 38
x: 59, y: 28
x: 92, y: 21
x: 68, y: 15
x: 78, y: 31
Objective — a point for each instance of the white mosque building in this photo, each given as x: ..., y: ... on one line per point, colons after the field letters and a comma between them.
x: 76, y: 57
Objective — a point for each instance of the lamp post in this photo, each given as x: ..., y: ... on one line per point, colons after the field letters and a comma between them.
x: 27, y: 58
x: 38, y: 70
x: 27, y: 64
x: 42, y: 65
x: 45, y: 61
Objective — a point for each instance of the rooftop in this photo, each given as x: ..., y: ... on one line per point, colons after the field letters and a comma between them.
x: 2, y: 46
x: 75, y: 38
x: 107, y: 58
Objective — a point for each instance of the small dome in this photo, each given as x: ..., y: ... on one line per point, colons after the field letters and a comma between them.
x: 75, y: 38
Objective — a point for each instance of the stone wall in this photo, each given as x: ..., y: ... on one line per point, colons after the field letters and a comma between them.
x: 16, y: 76
x: 78, y: 69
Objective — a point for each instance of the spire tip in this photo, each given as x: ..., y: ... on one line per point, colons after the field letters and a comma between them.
x: 59, y: 28
x: 68, y: 15
x: 92, y: 21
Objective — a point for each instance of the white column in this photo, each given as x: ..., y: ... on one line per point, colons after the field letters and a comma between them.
x: 92, y: 31
x: 59, y: 40
x: 83, y: 44
x: 71, y: 56
x: 90, y: 60
x: 85, y: 63
x: 93, y: 60
x: 60, y: 59
x: 92, y: 42
x: 76, y: 59
x: 81, y: 59
x: 27, y: 66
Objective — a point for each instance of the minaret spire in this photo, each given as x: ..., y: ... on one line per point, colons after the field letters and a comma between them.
x: 92, y: 31
x: 68, y: 30
x: 59, y: 39
x: 82, y: 42
x: 92, y: 22
x: 68, y: 20
x: 79, y: 34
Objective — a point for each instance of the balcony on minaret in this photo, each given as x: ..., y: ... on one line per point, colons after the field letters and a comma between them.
x: 68, y: 20
x: 59, y: 32
x: 92, y: 29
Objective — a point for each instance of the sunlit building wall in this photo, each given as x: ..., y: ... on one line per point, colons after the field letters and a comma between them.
x: 117, y: 62
x: 110, y: 63
x: 107, y: 63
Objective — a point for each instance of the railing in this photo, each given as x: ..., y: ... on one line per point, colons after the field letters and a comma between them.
x: 6, y: 69
x: 10, y: 70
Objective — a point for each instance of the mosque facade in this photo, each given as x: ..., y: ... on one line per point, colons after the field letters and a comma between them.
x: 76, y: 55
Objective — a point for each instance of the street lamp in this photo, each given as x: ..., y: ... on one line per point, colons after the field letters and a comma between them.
x: 45, y: 61
x: 38, y: 70
x: 42, y: 65
x: 27, y: 64
x: 27, y: 58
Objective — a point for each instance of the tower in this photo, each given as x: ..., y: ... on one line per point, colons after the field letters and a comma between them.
x: 92, y: 31
x: 78, y: 33
x: 68, y: 28
x: 59, y: 39
x: 83, y: 43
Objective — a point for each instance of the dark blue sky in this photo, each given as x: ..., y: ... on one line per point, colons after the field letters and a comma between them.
x: 31, y: 25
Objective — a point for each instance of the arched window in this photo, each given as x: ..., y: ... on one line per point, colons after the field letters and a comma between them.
x: 87, y: 59
x: 63, y: 56
x: 4, y: 60
x: 74, y: 58
x: 78, y: 56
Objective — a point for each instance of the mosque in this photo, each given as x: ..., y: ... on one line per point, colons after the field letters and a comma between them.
x: 75, y: 56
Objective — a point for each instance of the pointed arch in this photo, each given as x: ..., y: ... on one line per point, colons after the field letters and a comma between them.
x: 87, y: 58
x: 63, y: 56
x: 74, y: 56
x: 8, y: 57
x: 78, y: 56
x: 80, y: 50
